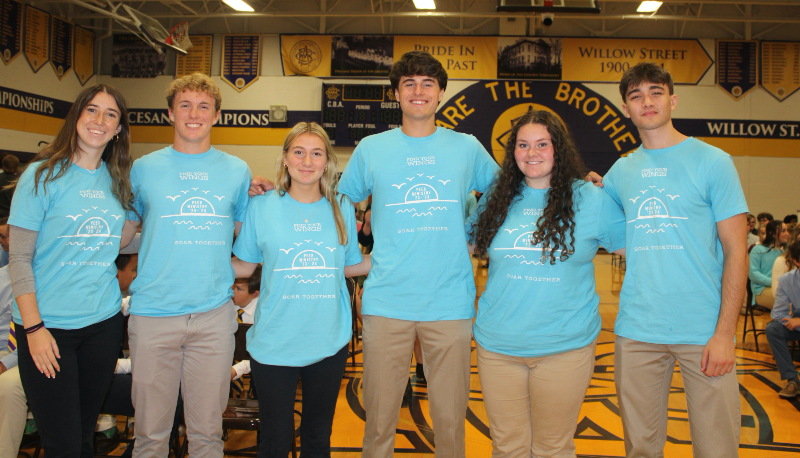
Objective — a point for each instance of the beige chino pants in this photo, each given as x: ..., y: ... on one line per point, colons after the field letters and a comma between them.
x: 643, y: 377
x: 533, y: 403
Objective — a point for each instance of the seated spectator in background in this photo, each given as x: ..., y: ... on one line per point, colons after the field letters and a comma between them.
x: 245, y: 298
x: 9, y: 176
x: 762, y: 234
x: 786, y: 327
x: 4, y: 241
x: 782, y: 265
x: 752, y: 232
x: 763, y: 218
x: 762, y: 258
x: 13, y: 403
x: 790, y: 219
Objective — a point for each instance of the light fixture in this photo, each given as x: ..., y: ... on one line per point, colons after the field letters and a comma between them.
x: 238, y: 5
x: 425, y: 4
x: 648, y: 7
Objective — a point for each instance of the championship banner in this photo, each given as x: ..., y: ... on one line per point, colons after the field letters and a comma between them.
x: 241, y: 62
x: 37, y: 37
x: 10, y: 29
x: 198, y: 59
x: 737, y: 66
x: 308, y: 55
x: 133, y: 58
x: 604, y: 60
x: 488, y: 110
x: 780, y: 68
x: 83, y: 54
x: 61, y: 47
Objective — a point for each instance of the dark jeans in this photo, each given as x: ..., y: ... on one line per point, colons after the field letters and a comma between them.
x: 277, y: 386
x: 778, y: 337
x: 66, y: 406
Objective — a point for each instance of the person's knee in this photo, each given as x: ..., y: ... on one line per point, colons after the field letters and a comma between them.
x: 775, y: 329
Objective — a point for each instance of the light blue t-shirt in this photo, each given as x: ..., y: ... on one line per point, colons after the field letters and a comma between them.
x: 421, y: 269
x: 532, y: 308
x: 673, y: 198
x: 80, y: 224
x: 303, y: 313
x: 762, y: 258
x: 189, y: 203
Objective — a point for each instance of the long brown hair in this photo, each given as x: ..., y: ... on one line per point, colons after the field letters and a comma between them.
x: 327, y: 184
x: 58, y: 155
x: 556, y: 227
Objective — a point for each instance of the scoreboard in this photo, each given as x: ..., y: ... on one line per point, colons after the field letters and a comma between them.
x: 350, y: 112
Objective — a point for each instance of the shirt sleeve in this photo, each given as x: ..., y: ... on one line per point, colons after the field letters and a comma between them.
x: 246, y: 246
x: 780, y: 309
x: 612, y: 223
x: 29, y: 206
x: 243, y: 198
x: 355, y: 182
x: 610, y: 184
x: 136, y: 189
x: 10, y: 360
x: 352, y: 251
x: 241, y: 368
x: 725, y: 190
x: 485, y: 168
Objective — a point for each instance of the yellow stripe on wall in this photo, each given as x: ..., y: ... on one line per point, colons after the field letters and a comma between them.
x: 756, y: 147
x: 219, y: 135
x: 29, y: 122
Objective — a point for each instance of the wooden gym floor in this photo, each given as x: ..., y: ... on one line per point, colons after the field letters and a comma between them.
x: 769, y: 424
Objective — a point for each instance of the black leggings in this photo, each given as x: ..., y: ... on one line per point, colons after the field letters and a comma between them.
x: 277, y: 386
x: 66, y: 407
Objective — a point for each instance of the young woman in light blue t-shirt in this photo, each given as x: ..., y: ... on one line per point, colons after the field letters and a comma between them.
x: 305, y: 236
x: 538, y: 319
x: 66, y: 221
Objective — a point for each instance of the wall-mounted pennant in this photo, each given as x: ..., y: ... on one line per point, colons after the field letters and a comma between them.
x: 37, y: 37
x: 83, y: 54
x: 241, y: 60
x: 780, y: 68
x: 10, y: 29
x: 737, y: 66
x: 61, y: 47
x: 198, y: 59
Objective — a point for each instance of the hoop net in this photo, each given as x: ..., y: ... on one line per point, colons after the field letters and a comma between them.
x: 179, y: 36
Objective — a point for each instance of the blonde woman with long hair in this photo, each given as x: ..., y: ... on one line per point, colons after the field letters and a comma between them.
x: 304, y: 233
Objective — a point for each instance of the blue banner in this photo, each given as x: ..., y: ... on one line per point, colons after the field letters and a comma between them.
x: 10, y: 29
x: 61, y: 46
x: 241, y: 60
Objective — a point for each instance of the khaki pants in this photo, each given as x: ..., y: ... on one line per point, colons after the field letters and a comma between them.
x: 190, y: 352
x: 533, y: 403
x: 643, y: 375
x: 766, y: 298
x: 446, y: 350
x: 13, y: 412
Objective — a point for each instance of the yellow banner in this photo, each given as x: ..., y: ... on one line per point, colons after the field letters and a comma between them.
x: 462, y: 57
x: 198, y: 59
x: 37, y: 37
x: 83, y: 59
x: 605, y: 59
x: 308, y: 55
x: 780, y: 61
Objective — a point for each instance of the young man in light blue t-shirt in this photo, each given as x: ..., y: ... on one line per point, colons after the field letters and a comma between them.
x: 190, y: 198
x: 687, y: 269
x: 421, y: 283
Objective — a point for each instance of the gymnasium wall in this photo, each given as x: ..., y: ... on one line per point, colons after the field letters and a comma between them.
x: 768, y: 167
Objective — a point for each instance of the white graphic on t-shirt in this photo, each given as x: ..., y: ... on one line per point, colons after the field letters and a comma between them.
x: 308, y: 259
x: 524, y: 243
x: 92, y: 226
x: 220, y: 197
x: 445, y: 181
x: 398, y: 186
x: 196, y: 206
x: 653, y: 207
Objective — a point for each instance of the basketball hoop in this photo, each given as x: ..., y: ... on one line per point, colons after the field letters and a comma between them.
x: 179, y: 36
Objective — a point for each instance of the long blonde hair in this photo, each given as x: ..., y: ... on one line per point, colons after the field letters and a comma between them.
x: 329, y: 179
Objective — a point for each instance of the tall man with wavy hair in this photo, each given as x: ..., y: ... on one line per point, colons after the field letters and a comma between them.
x: 687, y: 269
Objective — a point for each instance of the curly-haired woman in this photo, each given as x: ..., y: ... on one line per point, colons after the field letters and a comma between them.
x: 539, y: 319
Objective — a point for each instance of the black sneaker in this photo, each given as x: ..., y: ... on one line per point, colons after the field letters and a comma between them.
x: 106, y: 441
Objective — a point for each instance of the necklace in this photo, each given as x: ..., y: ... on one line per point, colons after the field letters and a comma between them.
x: 301, y: 215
